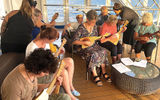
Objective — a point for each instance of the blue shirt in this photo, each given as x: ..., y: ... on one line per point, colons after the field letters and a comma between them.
x: 35, y: 32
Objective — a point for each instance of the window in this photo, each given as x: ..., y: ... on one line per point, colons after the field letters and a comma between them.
x: 74, y: 5
x: 57, y: 8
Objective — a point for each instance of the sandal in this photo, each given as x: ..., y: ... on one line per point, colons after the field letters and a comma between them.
x: 98, y: 82
x: 107, y: 78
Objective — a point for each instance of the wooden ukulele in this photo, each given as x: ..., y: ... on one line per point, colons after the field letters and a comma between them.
x: 56, y: 90
x: 55, y: 16
x: 115, y: 37
x: 92, y: 39
x: 48, y: 91
x: 150, y: 36
x: 53, y: 48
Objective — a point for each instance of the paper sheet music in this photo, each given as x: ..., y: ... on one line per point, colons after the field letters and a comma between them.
x: 127, y: 61
x: 121, y: 68
x: 141, y: 63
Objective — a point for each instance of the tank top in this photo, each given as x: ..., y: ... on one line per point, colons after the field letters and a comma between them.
x: 19, y: 30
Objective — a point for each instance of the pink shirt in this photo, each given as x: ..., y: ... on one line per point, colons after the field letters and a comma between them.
x: 106, y: 28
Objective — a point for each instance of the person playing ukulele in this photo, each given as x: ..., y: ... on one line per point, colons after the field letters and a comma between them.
x: 148, y: 44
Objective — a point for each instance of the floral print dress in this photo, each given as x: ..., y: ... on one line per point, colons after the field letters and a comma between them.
x: 95, y: 54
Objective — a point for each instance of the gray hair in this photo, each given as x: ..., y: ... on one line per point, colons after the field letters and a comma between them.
x: 36, y: 12
x: 104, y: 8
x: 112, y: 18
x: 35, y: 16
x: 147, y: 18
x: 91, y: 15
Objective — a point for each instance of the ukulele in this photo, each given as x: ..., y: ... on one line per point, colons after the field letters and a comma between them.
x: 150, y: 36
x: 56, y: 90
x: 53, y: 48
x: 115, y: 37
x: 48, y: 91
x: 92, y: 39
x: 55, y: 16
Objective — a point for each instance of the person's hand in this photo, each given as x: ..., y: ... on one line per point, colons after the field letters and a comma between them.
x: 124, y: 29
x: 62, y: 51
x: 88, y: 43
x: 103, y: 37
x: 53, y: 23
x: 66, y: 26
x: 158, y: 35
x: 120, y: 22
x: 144, y: 39
x: 59, y: 80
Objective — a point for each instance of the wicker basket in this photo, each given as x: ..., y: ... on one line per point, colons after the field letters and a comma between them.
x: 134, y: 85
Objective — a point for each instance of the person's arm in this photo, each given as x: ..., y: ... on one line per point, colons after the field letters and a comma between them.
x: 136, y: 37
x: 77, y: 40
x: 158, y: 35
x: 136, y: 34
x: 10, y: 90
x: 39, y: 22
x: 103, y: 39
x: 6, y: 18
x: 86, y: 43
x: 124, y: 29
x: 41, y: 87
x: 62, y: 51
x: 65, y: 29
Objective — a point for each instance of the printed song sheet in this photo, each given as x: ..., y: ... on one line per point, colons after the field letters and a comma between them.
x: 121, y: 68
x: 141, y: 63
x: 127, y: 61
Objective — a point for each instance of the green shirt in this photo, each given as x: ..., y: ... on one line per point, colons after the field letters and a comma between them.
x: 142, y: 29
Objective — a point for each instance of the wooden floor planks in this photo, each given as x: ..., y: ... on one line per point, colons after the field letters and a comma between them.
x: 89, y: 90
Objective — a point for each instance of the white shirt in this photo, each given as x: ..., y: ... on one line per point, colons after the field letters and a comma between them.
x: 73, y: 26
x: 32, y: 46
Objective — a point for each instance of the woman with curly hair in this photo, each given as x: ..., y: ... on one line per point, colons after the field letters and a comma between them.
x: 49, y: 35
x: 21, y: 83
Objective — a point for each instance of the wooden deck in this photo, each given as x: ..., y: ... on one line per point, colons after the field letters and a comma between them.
x: 89, y: 90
